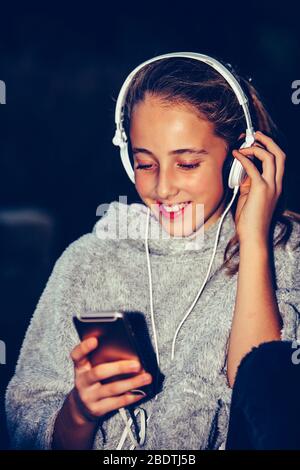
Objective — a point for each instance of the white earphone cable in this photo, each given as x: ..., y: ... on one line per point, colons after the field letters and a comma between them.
x: 209, y: 268
x: 128, y: 422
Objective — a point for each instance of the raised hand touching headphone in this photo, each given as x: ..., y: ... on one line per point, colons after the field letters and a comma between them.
x: 259, y: 192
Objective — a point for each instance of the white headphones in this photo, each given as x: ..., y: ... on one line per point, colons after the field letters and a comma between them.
x: 237, y: 172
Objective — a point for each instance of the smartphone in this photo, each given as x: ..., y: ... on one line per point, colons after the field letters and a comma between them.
x: 121, y: 335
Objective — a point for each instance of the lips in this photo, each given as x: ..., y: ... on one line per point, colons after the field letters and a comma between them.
x: 173, y: 214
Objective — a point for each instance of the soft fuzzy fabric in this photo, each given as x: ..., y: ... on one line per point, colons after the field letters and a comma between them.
x: 97, y: 272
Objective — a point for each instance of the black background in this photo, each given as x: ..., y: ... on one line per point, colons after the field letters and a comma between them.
x: 63, y: 65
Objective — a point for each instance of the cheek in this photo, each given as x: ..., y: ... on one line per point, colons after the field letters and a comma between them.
x: 206, y: 184
x: 142, y: 184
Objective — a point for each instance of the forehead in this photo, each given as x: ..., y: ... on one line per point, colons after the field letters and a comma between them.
x: 153, y: 114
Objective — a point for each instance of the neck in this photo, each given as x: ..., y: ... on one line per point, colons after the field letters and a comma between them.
x: 212, y: 219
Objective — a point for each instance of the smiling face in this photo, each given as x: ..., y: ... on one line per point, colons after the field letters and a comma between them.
x: 177, y: 159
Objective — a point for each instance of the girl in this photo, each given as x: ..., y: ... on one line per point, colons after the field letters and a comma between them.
x: 184, y: 123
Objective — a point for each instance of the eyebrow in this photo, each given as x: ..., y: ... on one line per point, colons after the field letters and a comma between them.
x: 192, y: 151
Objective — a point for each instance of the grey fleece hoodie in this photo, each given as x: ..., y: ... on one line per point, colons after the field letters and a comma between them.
x: 100, y: 272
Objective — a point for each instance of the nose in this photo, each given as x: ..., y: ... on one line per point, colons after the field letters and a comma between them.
x: 166, y: 185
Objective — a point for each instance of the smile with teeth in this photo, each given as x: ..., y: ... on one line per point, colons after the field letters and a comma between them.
x: 173, y: 211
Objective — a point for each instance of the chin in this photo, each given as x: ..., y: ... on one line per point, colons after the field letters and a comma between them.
x: 178, y: 230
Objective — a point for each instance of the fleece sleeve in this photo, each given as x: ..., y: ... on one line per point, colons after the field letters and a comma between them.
x: 287, y: 269
x: 288, y: 294
x: 44, y: 373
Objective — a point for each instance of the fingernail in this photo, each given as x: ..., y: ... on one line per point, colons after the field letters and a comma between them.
x: 146, y: 378
x: 91, y: 340
x: 134, y: 393
x: 134, y: 365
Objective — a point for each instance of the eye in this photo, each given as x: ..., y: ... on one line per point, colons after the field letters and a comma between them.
x: 189, y: 166
x: 143, y: 167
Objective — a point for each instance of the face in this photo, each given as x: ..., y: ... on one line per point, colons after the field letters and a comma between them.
x: 177, y: 159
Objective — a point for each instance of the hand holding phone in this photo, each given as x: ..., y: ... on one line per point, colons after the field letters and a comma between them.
x: 121, y: 337
x: 91, y: 398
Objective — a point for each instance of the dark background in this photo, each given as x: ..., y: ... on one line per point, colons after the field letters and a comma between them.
x: 63, y: 66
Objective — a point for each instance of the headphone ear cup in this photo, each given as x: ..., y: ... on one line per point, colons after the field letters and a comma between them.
x: 229, y: 161
x: 226, y: 170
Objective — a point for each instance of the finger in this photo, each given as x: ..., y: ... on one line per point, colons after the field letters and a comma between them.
x: 269, y: 143
x: 248, y: 166
x: 280, y: 157
x: 106, y: 405
x: 257, y: 144
x: 267, y: 159
x: 280, y: 168
x: 119, y: 387
x: 80, y: 352
x: 245, y: 185
x: 109, y: 369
